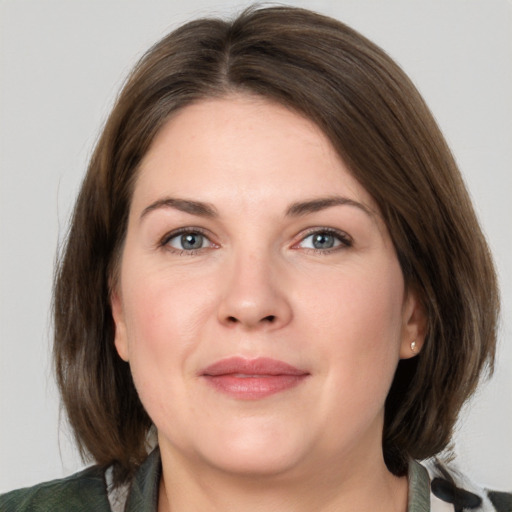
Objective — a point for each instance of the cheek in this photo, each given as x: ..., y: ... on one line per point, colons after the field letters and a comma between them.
x: 358, y: 321
x: 163, y: 308
x: 359, y: 301
x: 162, y: 321
x: 164, y: 315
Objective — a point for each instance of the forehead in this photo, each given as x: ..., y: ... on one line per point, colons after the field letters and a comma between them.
x: 243, y: 147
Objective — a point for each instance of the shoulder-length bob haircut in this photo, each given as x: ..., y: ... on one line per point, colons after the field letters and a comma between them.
x: 383, y: 131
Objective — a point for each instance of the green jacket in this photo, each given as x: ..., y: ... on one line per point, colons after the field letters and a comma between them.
x: 86, y: 491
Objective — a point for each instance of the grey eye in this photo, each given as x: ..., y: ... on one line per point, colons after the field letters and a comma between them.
x: 189, y: 241
x: 325, y: 240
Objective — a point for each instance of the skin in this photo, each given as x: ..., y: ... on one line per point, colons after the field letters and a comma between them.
x: 258, y: 287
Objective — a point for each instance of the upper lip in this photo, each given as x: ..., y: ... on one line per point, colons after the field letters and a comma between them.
x: 258, y: 366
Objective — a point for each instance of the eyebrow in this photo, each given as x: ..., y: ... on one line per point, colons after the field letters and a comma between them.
x: 315, y: 205
x: 297, y: 209
x: 185, y: 205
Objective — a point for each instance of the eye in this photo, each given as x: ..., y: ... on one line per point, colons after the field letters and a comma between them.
x: 325, y: 240
x: 187, y: 241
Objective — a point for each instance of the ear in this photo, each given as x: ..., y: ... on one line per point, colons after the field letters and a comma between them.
x: 120, y: 338
x: 414, y: 326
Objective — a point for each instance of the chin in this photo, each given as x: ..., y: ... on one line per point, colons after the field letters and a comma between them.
x: 254, y: 462
x: 263, y: 451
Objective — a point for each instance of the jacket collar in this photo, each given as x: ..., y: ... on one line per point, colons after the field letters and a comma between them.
x: 419, y: 488
x: 143, y: 493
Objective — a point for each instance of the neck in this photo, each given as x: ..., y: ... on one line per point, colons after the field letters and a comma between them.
x: 329, y: 487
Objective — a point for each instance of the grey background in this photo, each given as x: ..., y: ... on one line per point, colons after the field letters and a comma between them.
x: 61, y: 63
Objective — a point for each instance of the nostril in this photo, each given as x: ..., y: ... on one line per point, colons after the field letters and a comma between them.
x: 266, y: 319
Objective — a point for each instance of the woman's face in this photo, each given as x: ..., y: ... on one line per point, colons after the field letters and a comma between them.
x: 260, y: 302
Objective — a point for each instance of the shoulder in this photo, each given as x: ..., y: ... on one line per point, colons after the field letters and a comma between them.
x: 82, y: 492
x: 449, y: 486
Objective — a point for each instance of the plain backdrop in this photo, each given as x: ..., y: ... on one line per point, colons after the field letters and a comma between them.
x: 61, y: 64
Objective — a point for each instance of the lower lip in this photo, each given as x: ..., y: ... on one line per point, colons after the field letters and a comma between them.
x: 255, y: 387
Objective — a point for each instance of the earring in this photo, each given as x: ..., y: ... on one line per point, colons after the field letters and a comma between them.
x: 413, y: 347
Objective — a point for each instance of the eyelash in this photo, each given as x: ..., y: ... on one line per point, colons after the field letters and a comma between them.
x: 344, y: 239
x: 164, y: 242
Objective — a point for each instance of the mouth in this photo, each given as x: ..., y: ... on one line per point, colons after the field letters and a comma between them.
x: 252, y: 379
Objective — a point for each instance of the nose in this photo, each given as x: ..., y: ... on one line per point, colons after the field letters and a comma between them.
x: 255, y: 295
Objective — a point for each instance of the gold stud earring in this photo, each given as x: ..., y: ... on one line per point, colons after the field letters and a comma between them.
x: 413, y: 347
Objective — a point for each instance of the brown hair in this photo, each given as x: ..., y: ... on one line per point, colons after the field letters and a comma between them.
x: 382, y: 129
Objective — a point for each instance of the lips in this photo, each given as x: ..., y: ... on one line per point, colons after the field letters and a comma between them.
x: 252, y: 379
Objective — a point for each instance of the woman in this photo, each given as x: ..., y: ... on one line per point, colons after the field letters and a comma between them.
x: 274, y: 273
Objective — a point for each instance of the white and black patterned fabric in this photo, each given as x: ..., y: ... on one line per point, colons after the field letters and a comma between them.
x: 452, y: 491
